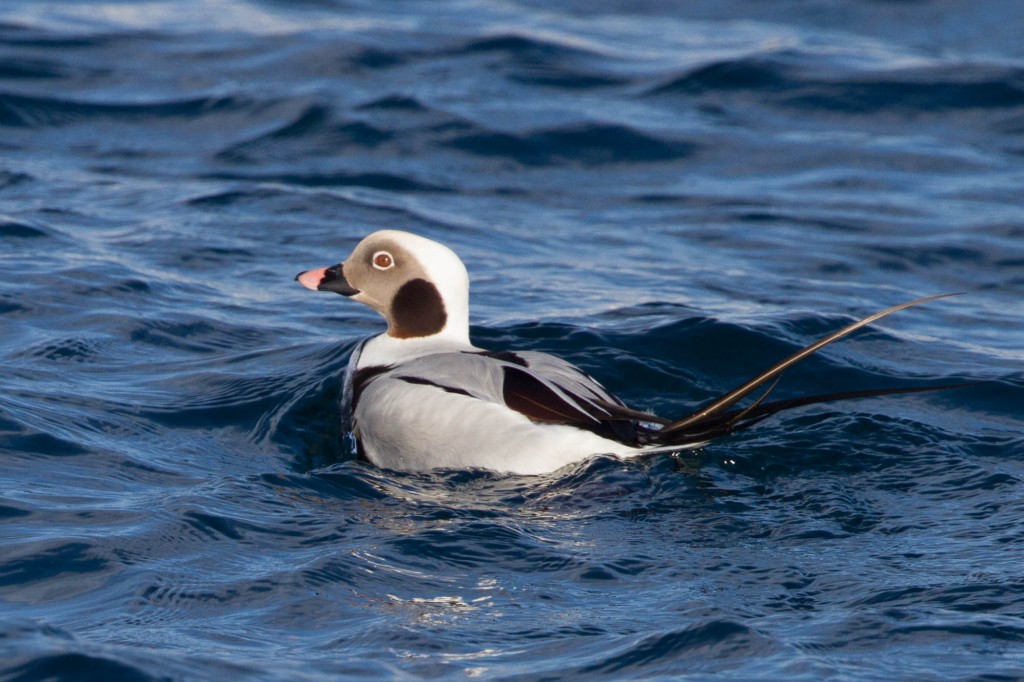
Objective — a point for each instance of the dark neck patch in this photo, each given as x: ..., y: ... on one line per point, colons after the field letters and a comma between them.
x: 417, y: 310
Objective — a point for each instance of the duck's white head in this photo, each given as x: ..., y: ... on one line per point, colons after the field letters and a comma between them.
x: 419, y: 286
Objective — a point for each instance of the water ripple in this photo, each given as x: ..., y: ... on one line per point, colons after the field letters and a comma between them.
x: 673, y: 199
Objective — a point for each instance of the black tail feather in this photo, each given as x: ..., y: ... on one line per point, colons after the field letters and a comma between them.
x: 717, y: 419
x: 732, y: 397
x: 715, y: 426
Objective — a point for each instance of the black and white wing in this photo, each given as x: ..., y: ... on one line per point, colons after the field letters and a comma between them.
x: 542, y: 387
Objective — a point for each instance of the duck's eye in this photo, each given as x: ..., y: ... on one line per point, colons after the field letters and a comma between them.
x: 382, y: 260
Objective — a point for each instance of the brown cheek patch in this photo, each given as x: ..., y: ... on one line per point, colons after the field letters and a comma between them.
x: 417, y: 310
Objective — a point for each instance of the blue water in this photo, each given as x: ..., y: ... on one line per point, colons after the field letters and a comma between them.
x: 672, y: 195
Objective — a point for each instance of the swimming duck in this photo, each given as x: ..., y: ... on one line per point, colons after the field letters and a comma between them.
x: 421, y: 396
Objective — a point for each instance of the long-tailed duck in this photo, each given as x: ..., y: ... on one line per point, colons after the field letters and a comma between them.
x: 422, y: 396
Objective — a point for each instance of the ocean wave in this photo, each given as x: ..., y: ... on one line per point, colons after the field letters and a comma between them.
x: 672, y: 200
x: 33, y: 111
x: 590, y: 144
x: 925, y: 90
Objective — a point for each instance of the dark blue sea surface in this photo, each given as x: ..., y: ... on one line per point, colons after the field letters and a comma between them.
x: 673, y: 195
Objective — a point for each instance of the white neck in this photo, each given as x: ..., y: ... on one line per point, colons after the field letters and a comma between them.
x: 384, y: 350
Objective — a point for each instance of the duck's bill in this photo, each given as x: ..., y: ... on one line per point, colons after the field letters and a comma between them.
x: 327, y: 279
